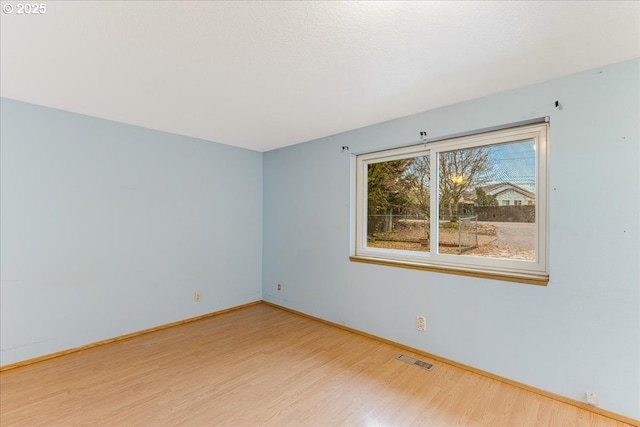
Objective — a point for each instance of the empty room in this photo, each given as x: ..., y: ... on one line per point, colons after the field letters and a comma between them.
x: 320, y: 213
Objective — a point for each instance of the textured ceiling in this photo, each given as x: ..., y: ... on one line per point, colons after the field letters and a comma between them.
x: 263, y: 75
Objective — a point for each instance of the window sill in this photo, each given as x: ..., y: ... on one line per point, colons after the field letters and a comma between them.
x: 508, y: 277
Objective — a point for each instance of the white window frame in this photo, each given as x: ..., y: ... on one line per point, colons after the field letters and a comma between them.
x: 511, y: 269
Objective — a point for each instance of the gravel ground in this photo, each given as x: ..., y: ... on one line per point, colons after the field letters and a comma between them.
x: 510, y: 240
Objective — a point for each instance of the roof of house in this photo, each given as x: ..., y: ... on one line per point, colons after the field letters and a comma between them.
x: 497, y: 189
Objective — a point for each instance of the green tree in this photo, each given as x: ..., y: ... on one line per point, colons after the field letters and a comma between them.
x: 388, y: 192
x: 484, y: 199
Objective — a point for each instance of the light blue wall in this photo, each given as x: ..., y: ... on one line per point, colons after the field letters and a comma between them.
x: 580, y: 333
x: 109, y: 229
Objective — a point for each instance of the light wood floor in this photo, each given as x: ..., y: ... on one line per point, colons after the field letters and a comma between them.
x: 264, y: 366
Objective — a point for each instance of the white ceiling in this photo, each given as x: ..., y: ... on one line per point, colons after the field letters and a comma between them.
x: 263, y: 75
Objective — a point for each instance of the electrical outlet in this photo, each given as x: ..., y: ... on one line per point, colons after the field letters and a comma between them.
x: 592, y: 399
x: 421, y: 323
x: 279, y: 286
x: 197, y: 296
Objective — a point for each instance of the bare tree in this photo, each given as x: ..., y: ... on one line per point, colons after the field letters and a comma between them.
x: 460, y: 170
x: 419, y: 175
x: 401, y: 187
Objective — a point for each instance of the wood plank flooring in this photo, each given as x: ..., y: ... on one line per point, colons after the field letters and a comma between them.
x: 264, y: 366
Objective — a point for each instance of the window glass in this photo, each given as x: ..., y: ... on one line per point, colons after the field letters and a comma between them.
x: 476, y: 203
x: 398, y: 204
x: 469, y: 183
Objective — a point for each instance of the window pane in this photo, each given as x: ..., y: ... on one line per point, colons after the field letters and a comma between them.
x: 398, y: 204
x: 487, y: 201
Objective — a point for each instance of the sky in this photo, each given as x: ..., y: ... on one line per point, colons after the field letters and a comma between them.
x: 514, y: 163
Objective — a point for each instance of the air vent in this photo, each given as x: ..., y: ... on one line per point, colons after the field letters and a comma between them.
x: 413, y: 361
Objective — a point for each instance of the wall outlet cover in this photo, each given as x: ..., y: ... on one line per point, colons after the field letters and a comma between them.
x: 592, y: 399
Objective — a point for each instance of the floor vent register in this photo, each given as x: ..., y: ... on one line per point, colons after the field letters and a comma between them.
x: 413, y: 361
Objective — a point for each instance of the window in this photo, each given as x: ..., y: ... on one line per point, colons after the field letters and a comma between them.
x: 439, y: 205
